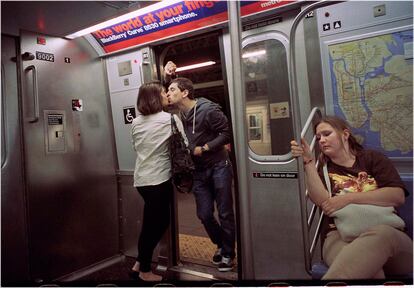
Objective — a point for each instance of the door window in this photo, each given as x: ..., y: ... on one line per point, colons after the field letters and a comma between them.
x: 255, y: 127
x: 269, y: 122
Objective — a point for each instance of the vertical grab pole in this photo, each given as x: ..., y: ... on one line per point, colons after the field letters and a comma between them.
x: 241, y: 138
x: 294, y: 98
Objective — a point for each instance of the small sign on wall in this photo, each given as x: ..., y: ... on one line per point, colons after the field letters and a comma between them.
x: 77, y: 105
x: 129, y: 114
x: 278, y: 175
x: 279, y: 110
x: 124, y: 68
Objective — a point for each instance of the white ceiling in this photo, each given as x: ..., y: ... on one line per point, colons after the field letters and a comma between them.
x: 60, y: 18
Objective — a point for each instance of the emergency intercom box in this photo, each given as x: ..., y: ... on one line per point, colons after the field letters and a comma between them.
x: 55, y: 131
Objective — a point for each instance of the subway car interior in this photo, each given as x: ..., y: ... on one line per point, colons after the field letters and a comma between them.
x: 70, y: 75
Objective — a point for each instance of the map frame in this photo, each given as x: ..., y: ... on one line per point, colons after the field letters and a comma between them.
x: 356, y: 35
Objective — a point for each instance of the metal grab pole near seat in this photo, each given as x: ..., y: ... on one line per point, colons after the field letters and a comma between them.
x: 314, y: 112
x: 294, y: 99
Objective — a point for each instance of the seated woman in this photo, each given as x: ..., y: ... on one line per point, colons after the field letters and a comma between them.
x: 380, y: 251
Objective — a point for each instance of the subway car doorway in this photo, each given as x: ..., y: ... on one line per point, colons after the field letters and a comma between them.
x: 196, y: 250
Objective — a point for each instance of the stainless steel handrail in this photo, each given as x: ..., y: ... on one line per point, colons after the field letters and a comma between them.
x: 5, y: 132
x: 315, y: 112
x: 35, y: 94
x: 294, y: 98
x: 316, y: 235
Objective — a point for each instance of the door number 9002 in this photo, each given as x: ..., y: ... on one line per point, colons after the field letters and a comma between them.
x: 45, y: 56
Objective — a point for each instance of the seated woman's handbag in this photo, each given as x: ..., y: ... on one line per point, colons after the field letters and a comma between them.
x: 355, y: 219
x: 182, y: 164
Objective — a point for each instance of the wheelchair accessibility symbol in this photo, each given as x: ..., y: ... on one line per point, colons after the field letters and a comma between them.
x: 129, y: 115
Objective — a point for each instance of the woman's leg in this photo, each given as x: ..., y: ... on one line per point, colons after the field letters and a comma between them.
x: 364, y: 257
x: 156, y: 219
x: 401, y: 264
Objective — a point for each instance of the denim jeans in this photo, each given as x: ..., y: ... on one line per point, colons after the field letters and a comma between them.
x: 211, y: 185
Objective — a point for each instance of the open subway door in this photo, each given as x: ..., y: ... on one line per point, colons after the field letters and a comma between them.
x: 69, y: 158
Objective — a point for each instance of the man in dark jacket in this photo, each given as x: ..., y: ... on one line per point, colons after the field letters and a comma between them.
x: 208, y: 132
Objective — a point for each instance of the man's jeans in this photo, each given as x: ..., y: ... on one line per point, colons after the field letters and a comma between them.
x: 215, y: 184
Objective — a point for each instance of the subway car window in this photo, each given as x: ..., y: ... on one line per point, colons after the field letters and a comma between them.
x: 267, y: 97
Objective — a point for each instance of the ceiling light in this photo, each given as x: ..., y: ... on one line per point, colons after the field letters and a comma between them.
x: 198, y: 65
x: 122, y: 18
x: 254, y: 53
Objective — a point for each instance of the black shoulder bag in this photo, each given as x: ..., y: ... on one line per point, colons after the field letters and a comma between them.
x: 182, y: 164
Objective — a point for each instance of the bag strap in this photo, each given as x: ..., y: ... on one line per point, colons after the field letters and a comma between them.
x: 327, y: 181
x: 174, y: 128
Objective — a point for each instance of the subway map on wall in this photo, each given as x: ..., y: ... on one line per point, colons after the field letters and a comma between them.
x: 372, y: 83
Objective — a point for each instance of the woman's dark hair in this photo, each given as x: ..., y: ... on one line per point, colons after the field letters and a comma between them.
x: 340, y: 125
x: 185, y: 84
x: 149, y: 98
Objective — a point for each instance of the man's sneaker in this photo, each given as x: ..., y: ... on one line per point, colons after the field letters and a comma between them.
x: 226, y: 264
x: 217, y: 257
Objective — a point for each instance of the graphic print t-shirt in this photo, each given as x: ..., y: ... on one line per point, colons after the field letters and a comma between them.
x: 371, y: 170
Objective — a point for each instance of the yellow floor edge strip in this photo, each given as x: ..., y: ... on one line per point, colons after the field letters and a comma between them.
x: 196, y: 247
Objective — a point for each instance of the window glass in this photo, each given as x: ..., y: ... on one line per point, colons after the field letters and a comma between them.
x: 267, y: 93
x: 255, y: 127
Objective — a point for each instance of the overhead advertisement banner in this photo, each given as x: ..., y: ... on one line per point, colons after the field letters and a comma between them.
x: 171, y: 20
x: 162, y: 23
x: 253, y: 7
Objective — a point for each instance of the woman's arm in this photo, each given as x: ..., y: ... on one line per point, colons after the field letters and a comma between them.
x: 385, y: 196
x: 316, y: 189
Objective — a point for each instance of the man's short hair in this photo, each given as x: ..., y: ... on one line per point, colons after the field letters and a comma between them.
x: 184, y: 84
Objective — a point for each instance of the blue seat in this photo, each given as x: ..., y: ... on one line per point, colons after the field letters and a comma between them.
x: 406, y: 213
x: 318, y: 270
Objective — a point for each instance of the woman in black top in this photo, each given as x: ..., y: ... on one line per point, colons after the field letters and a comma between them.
x: 380, y: 251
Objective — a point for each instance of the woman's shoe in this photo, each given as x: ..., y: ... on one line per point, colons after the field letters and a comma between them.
x: 134, y: 275
x: 149, y: 277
